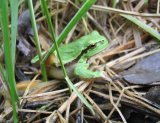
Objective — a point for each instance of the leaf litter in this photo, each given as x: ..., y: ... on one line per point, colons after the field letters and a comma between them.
x: 145, y: 71
x: 132, y: 58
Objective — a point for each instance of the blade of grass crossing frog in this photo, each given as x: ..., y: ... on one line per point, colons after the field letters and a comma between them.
x: 36, y: 39
x: 144, y: 26
x: 61, y: 61
x: 70, y: 25
x: 79, y: 94
x: 36, y: 58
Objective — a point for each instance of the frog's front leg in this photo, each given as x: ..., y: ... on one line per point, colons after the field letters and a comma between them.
x: 82, y: 70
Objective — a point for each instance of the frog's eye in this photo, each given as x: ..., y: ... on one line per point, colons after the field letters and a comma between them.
x: 92, y: 46
x: 99, y: 43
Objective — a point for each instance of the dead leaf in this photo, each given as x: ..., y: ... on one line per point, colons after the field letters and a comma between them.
x: 145, y: 71
x: 143, y: 78
x: 154, y: 94
x: 24, y: 23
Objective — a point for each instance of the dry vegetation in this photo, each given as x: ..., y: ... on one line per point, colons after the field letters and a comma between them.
x: 114, y: 100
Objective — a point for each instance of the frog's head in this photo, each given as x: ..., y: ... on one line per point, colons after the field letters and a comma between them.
x: 95, y: 37
x: 99, y: 43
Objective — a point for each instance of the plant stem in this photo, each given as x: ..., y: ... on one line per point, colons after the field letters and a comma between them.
x: 70, y: 84
x: 70, y: 25
x: 8, y: 57
x: 42, y: 65
x: 46, y: 13
x: 44, y: 7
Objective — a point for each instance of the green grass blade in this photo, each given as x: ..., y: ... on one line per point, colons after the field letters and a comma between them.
x: 49, y: 22
x: 70, y: 25
x: 14, y: 22
x: 8, y: 56
x: 46, y: 13
x: 70, y: 84
x: 142, y: 25
x: 43, y: 69
x: 79, y: 94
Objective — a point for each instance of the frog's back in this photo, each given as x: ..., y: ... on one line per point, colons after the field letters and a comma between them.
x: 72, y: 50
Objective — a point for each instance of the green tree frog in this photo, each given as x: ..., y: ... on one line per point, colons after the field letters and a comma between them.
x: 75, y: 55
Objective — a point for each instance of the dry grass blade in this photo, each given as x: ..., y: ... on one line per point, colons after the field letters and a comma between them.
x: 63, y: 107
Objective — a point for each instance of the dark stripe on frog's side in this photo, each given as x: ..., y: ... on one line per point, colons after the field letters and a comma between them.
x: 85, y: 51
